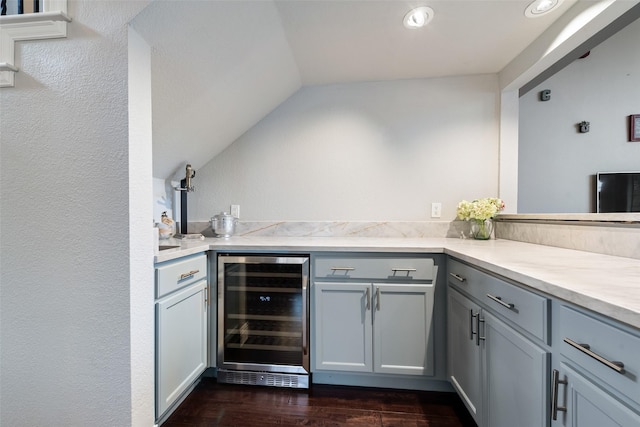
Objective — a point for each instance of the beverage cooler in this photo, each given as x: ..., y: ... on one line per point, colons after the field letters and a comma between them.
x: 263, y: 320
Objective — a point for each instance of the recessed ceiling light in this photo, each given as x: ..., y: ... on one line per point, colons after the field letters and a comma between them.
x: 541, y: 7
x: 418, y: 17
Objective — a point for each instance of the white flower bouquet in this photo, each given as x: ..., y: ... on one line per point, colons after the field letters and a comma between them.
x: 479, y: 213
x: 479, y: 209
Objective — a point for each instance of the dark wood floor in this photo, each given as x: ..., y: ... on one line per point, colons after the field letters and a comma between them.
x: 213, y: 404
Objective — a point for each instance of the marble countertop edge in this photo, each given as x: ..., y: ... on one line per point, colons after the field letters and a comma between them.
x: 606, y: 284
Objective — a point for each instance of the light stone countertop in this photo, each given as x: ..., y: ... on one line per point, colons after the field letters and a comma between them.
x: 606, y: 284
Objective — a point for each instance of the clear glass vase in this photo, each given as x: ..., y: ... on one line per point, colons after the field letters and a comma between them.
x: 481, y: 229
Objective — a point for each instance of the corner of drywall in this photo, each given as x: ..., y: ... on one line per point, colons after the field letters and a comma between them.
x: 508, y: 151
x: 140, y: 232
x: 572, y: 30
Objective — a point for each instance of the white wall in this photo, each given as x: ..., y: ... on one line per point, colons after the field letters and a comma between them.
x: 164, y: 199
x: 555, y: 161
x: 361, y: 152
x: 65, y: 310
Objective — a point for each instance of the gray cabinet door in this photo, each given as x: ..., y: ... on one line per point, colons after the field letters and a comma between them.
x: 343, y: 327
x: 402, y: 338
x: 181, y: 343
x: 588, y: 405
x: 515, y: 377
x: 465, y: 363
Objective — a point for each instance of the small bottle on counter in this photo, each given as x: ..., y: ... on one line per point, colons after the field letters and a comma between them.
x: 166, y: 227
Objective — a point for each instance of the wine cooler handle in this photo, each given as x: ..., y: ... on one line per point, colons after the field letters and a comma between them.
x: 305, y: 317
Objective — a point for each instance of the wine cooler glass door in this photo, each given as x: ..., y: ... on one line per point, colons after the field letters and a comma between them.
x: 264, y: 317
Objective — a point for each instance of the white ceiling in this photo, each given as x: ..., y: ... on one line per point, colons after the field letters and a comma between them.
x: 347, y: 41
x: 219, y: 67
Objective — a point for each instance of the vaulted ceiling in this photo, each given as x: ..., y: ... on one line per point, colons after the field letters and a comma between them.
x: 219, y: 67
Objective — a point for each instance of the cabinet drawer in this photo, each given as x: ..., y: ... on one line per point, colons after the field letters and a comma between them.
x: 374, y: 268
x: 606, y: 344
x: 173, y: 275
x: 525, y: 309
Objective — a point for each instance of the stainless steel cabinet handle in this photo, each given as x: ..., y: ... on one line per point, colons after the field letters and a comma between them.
x: 189, y: 274
x: 377, y: 299
x: 586, y: 349
x: 478, y: 337
x: 555, y: 380
x: 471, y: 317
x: 342, y: 268
x: 404, y: 270
x: 458, y: 277
x: 502, y: 303
x: 367, y: 296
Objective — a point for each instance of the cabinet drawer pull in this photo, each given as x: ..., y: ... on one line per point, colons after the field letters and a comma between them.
x: 367, y: 296
x: 334, y: 269
x: 458, y: 277
x: 189, y: 274
x: 555, y: 380
x: 586, y: 349
x: 377, y: 299
x: 502, y: 303
x: 404, y: 270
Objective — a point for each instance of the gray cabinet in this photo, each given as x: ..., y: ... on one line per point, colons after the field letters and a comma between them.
x: 343, y: 325
x: 402, y: 316
x: 581, y: 403
x: 595, y: 376
x: 181, y: 328
x: 514, y: 371
x: 381, y: 328
x: 465, y: 363
x: 496, y: 363
x: 373, y: 314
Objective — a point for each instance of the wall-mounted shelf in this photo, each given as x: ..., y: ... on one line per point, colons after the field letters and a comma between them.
x: 49, y: 24
x: 34, y: 17
x: 7, y: 67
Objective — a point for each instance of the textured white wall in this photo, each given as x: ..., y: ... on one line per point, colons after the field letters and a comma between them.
x: 555, y: 161
x: 64, y: 218
x: 358, y: 152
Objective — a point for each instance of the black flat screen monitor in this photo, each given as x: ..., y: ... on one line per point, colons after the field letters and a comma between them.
x: 618, y: 191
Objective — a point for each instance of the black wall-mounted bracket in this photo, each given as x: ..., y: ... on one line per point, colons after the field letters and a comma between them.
x: 583, y: 127
x: 545, y: 95
x: 183, y: 207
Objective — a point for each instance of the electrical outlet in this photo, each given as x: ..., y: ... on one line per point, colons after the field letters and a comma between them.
x: 235, y: 210
x: 436, y: 210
